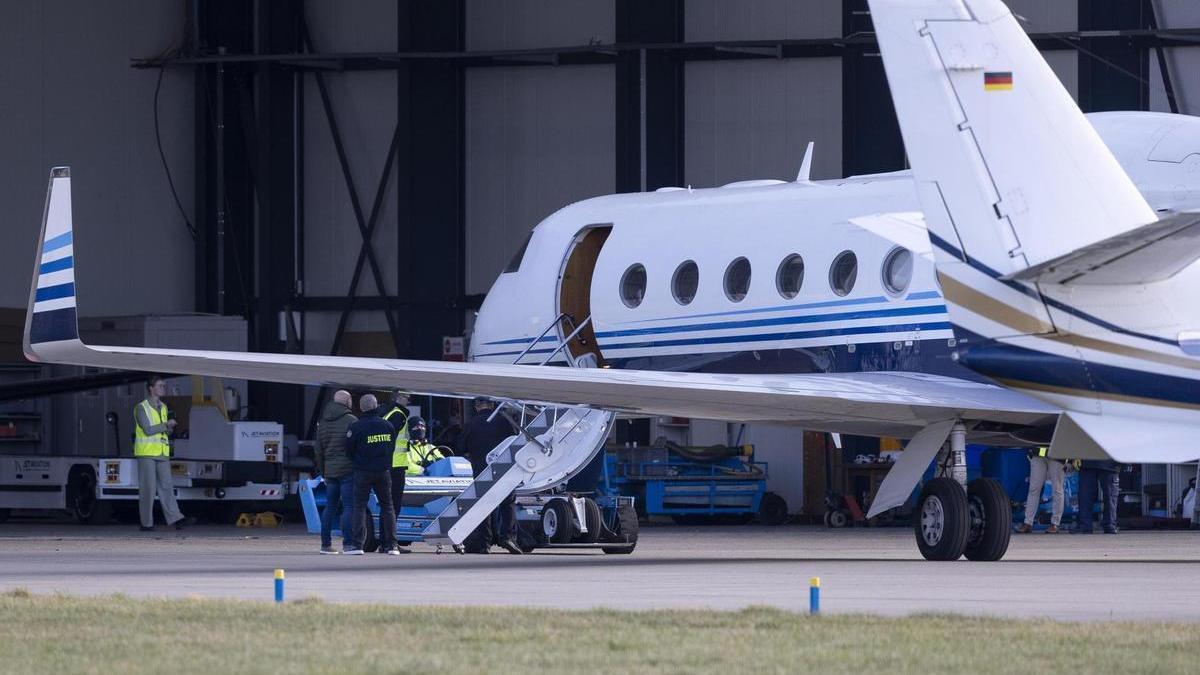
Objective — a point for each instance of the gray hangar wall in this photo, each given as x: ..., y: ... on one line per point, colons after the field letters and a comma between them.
x: 70, y: 97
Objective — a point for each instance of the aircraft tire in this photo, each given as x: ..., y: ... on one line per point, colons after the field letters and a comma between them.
x: 558, y: 526
x: 989, y: 521
x: 941, y: 521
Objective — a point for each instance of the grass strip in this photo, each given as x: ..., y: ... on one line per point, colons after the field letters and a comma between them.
x: 125, y: 636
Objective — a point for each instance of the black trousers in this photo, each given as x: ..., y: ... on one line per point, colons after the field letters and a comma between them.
x: 381, y: 482
x: 397, y: 492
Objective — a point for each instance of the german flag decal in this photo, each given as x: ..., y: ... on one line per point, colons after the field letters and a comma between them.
x: 997, y: 81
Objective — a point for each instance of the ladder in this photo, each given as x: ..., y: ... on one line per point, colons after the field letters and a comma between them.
x: 549, y: 449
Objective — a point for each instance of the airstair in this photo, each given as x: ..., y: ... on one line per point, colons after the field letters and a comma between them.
x: 552, y: 445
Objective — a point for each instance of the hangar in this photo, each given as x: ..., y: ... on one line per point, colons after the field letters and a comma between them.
x: 322, y: 179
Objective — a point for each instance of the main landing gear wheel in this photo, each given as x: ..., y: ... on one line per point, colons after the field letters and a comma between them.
x: 593, y: 519
x: 989, y: 520
x: 557, y: 524
x: 941, y: 520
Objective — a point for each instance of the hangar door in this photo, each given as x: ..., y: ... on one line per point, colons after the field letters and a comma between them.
x: 575, y: 289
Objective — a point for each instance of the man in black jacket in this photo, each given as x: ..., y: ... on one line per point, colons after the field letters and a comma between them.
x: 479, y: 437
x: 371, y: 441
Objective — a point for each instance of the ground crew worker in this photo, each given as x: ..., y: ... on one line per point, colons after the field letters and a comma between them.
x: 1104, y: 474
x: 370, y: 441
x: 421, y: 453
x: 1041, y: 468
x: 152, y: 429
x: 479, y: 437
x: 334, y: 466
x: 398, y: 417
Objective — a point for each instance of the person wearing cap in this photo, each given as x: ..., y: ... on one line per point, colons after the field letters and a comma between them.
x: 370, y: 441
x: 479, y: 436
x: 421, y: 453
x: 398, y: 417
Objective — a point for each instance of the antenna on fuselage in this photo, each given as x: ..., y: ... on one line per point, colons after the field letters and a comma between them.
x: 806, y: 165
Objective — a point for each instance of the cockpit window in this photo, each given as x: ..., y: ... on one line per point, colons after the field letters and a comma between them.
x: 515, y: 263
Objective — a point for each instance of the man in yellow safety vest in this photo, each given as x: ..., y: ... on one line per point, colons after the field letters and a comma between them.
x: 1041, y: 469
x: 398, y: 417
x: 152, y: 427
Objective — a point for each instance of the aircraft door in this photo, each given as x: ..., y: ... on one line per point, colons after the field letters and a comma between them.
x: 575, y: 289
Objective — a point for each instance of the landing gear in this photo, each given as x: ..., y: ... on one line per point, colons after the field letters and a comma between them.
x: 989, y: 520
x: 557, y: 524
x: 941, y: 520
x: 952, y: 522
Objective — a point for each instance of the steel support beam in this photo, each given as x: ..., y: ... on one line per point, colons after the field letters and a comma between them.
x: 649, y: 97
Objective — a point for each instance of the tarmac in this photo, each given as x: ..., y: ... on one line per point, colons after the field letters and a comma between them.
x: 1146, y: 575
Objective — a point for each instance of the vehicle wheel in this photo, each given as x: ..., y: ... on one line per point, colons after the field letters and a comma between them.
x: 989, y: 520
x: 772, y: 510
x: 557, y: 524
x: 81, y: 498
x: 826, y: 519
x: 838, y: 519
x: 593, y: 519
x: 941, y: 520
x: 4, y: 514
x: 624, y: 530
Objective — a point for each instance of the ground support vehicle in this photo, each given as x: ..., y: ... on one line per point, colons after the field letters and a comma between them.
x: 694, y: 485
x: 545, y: 520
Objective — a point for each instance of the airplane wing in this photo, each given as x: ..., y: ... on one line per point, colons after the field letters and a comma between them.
x: 1146, y: 254
x: 879, y: 403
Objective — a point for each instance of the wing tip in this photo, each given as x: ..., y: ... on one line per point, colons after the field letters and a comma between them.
x: 51, y: 314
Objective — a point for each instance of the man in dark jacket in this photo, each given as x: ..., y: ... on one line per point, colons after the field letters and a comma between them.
x: 1104, y: 474
x: 479, y: 437
x: 334, y: 466
x: 371, y: 441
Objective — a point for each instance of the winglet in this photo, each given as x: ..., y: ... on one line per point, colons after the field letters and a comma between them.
x: 806, y: 165
x: 51, y: 316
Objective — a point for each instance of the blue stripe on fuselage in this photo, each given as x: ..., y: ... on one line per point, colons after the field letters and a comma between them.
x: 778, y: 321
x: 777, y: 337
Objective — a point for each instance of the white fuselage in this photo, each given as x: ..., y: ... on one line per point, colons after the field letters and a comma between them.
x: 870, y: 327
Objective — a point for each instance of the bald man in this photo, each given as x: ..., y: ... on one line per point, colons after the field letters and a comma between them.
x: 334, y: 466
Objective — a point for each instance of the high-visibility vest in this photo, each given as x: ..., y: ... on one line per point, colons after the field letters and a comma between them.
x: 420, y: 455
x: 151, y: 445
x: 400, y: 454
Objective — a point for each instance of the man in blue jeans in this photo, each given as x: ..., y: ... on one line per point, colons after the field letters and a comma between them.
x: 1102, y: 474
x: 334, y: 466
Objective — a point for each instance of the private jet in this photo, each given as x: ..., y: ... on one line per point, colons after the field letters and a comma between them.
x: 1026, y: 283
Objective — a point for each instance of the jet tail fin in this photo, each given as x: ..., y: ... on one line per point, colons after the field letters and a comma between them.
x: 51, y: 316
x: 1009, y: 172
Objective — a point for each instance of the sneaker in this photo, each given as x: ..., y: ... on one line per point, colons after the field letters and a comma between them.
x: 394, y: 551
x: 511, y: 546
x: 329, y: 550
x: 352, y: 551
x: 1025, y: 528
x: 143, y: 528
x: 1111, y: 530
x: 185, y: 522
x: 1053, y: 529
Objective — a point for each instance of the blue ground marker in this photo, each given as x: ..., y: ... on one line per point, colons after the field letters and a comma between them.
x: 278, y: 585
x: 814, y: 595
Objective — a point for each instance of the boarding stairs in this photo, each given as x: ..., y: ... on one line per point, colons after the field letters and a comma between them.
x: 553, y: 444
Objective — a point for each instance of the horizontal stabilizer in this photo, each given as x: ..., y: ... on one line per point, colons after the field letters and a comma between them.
x: 1153, y: 252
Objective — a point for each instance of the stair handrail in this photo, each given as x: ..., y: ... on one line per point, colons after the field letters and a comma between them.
x: 553, y: 324
x: 566, y: 341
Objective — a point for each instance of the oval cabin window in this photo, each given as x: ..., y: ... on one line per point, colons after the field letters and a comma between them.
x: 843, y: 273
x: 737, y: 279
x: 790, y: 276
x: 685, y: 281
x: 633, y: 285
x: 897, y: 270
